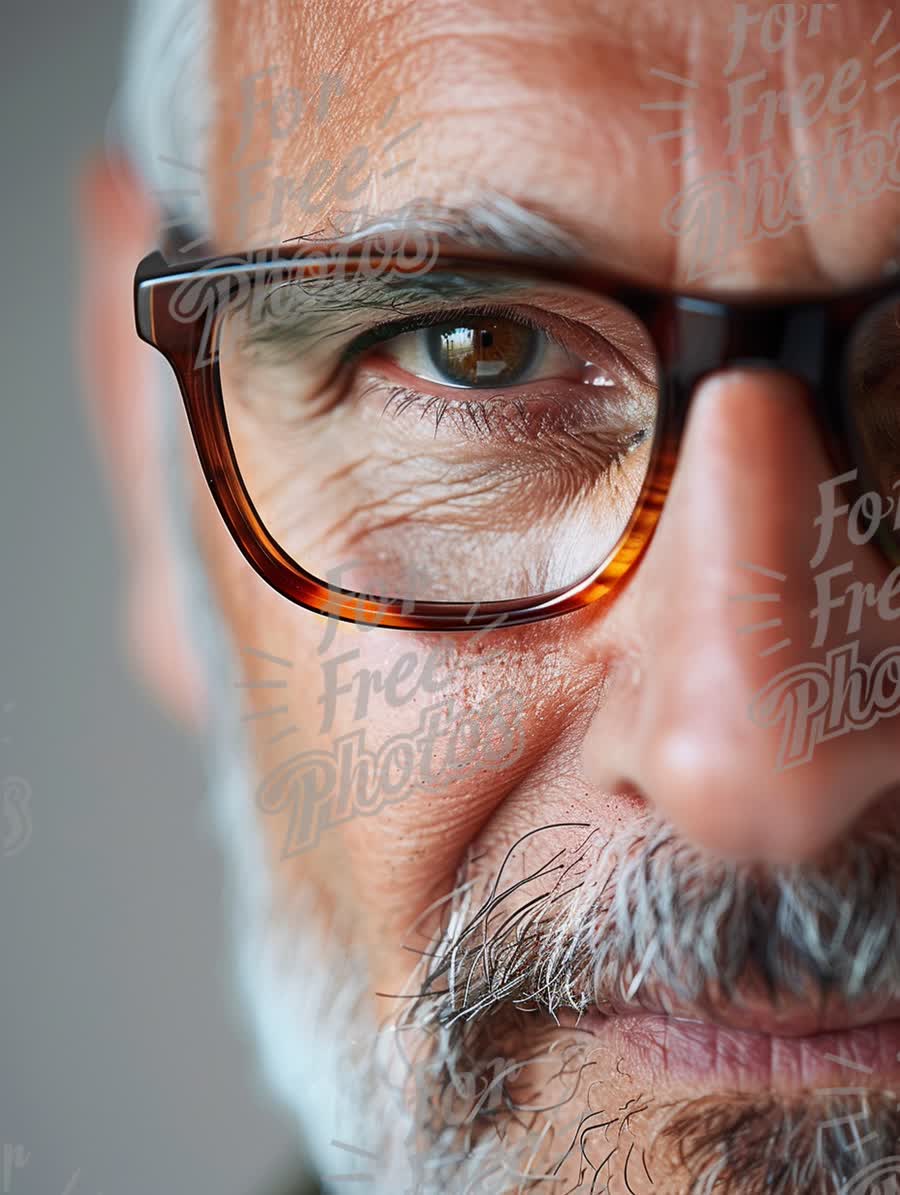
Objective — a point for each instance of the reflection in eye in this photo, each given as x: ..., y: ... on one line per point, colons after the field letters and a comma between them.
x: 485, y: 351
x: 496, y: 432
x: 510, y: 373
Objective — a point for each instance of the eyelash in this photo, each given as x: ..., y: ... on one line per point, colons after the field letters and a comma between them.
x: 496, y: 416
x: 475, y: 414
x: 416, y: 323
x: 473, y: 411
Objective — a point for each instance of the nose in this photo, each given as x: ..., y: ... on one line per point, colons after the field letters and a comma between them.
x: 742, y: 653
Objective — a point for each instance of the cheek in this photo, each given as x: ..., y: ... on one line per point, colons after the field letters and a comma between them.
x: 416, y: 744
x: 465, y: 716
x: 380, y: 756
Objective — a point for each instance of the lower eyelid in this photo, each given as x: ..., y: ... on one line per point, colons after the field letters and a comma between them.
x: 387, y: 370
x: 531, y: 410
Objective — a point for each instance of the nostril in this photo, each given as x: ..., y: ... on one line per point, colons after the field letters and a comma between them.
x: 631, y: 798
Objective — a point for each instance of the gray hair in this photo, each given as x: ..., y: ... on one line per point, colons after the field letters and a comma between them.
x: 163, y: 107
x: 162, y: 116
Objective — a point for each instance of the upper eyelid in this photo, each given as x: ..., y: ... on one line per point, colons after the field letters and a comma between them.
x: 384, y: 333
x: 377, y: 293
x: 583, y: 332
x: 369, y: 294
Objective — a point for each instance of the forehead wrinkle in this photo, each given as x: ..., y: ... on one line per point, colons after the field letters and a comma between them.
x: 408, y: 48
x: 563, y: 117
x: 454, y: 176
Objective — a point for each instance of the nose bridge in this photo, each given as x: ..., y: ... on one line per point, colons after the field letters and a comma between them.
x: 738, y: 532
x: 722, y: 604
x: 758, y: 489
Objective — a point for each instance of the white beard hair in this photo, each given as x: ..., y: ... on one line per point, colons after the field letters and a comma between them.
x: 306, y: 1000
x: 319, y: 1047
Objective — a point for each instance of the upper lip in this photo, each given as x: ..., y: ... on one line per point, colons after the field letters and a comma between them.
x: 788, y: 1016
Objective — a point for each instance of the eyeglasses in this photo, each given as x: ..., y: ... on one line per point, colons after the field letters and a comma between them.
x: 444, y: 441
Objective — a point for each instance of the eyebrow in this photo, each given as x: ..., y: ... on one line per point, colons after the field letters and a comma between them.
x: 490, y: 222
x: 310, y: 317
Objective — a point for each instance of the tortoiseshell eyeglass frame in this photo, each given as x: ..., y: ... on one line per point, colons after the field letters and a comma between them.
x: 694, y: 336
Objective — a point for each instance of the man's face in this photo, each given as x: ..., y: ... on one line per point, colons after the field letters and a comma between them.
x: 620, y: 945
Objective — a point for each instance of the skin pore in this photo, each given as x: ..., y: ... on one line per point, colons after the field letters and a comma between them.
x: 542, y: 936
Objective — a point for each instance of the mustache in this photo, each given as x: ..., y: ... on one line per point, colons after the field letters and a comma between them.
x: 644, y: 919
x: 648, y: 920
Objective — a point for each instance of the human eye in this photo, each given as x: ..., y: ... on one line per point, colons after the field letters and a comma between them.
x: 498, y: 432
x: 503, y: 371
x: 484, y: 351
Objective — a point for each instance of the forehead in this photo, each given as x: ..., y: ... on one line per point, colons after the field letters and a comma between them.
x: 744, y: 145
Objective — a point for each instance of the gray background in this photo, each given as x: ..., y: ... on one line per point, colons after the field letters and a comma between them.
x: 122, y: 1053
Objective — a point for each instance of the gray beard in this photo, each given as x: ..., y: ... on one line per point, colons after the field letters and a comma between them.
x: 469, y: 1045
x: 306, y: 1005
x: 368, y: 1103
x: 466, y: 1048
x: 646, y: 919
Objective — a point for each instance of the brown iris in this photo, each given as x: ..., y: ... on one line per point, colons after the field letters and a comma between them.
x: 482, y: 352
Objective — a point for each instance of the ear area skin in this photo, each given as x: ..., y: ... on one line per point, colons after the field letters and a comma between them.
x: 118, y: 224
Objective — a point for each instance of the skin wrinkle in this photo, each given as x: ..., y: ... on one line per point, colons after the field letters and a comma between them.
x: 270, y: 500
x: 791, y: 75
x: 650, y: 882
x: 627, y: 905
x: 668, y: 246
x: 269, y: 147
x: 801, y: 250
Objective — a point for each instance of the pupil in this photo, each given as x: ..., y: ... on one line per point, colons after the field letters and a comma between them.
x: 483, y: 352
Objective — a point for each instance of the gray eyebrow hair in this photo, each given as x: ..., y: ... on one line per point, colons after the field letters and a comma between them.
x: 162, y: 114
x: 312, y: 308
x: 491, y: 222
